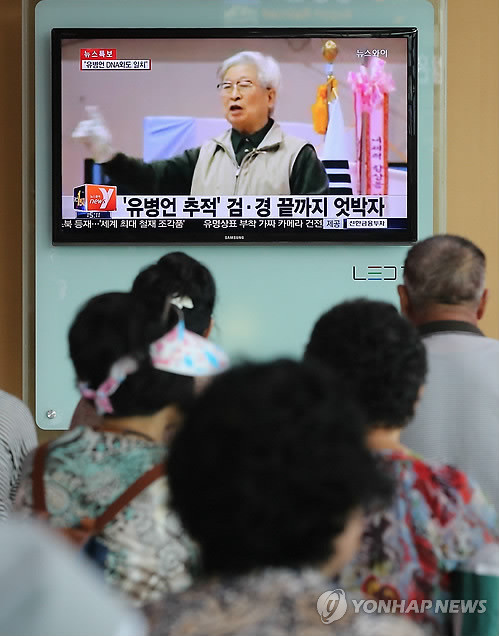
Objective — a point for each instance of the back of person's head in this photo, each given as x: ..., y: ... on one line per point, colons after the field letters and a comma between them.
x: 269, y: 467
x: 379, y: 355
x: 187, y: 281
x: 116, y: 326
x: 446, y: 270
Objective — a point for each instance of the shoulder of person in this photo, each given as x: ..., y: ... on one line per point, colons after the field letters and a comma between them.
x: 60, y: 591
x: 453, y: 484
x: 492, y: 343
x: 378, y: 625
x: 277, y: 135
x: 433, y: 470
x: 223, y: 139
x: 11, y: 404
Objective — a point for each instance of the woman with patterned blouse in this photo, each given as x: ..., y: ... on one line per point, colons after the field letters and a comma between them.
x: 137, y: 371
x: 439, y: 520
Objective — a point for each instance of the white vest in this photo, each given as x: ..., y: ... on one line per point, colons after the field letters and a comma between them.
x: 266, y: 170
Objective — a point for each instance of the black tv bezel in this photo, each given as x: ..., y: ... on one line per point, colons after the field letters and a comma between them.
x: 153, y: 236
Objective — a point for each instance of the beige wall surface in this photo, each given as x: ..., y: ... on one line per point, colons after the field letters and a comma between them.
x: 473, y: 159
x: 473, y: 135
x: 10, y: 206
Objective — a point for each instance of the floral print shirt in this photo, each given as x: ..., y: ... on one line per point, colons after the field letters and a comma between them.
x: 143, y: 551
x: 438, y: 521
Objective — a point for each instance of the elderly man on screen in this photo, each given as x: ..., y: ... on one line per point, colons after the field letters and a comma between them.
x: 255, y: 157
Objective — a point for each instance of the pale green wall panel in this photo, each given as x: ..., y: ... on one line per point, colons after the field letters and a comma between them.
x: 269, y: 296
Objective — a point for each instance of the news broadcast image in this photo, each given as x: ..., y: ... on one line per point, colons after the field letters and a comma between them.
x: 333, y: 167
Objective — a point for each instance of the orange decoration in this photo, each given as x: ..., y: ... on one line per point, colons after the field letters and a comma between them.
x: 320, y: 114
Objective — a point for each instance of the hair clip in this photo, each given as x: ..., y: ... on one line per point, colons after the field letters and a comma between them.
x: 182, y: 302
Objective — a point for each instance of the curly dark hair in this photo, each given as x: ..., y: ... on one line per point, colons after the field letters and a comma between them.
x: 112, y: 326
x: 269, y: 465
x: 379, y: 355
x: 177, y: 274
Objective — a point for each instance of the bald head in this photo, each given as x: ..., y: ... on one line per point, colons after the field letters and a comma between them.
x: 446, y: 272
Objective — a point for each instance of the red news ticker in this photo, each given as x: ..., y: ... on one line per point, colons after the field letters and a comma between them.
x: 98, y: 54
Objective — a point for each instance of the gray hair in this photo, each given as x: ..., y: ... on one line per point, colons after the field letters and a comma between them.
x: 444, y: 269
x: 268, y: 71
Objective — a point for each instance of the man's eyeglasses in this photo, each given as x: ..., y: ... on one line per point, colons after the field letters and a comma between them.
x: 243, y: 86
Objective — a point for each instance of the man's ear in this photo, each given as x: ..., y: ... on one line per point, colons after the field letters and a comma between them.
x: 208, y: 329
x: 404, y: 300
x: 420, y: 393
x: 419, y: 396
x: 271, y: 97
x: 482, y: 304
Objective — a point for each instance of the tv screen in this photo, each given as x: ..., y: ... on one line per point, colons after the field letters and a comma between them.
x: 209, y: 136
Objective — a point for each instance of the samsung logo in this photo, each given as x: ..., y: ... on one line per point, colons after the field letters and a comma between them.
x: 377, y: 272
x: 234, y: 237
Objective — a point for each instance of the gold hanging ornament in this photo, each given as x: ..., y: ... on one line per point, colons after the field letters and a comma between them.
x: 329, y: 51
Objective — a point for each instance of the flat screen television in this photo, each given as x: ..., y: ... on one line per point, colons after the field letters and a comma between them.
x: 314, y: 140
